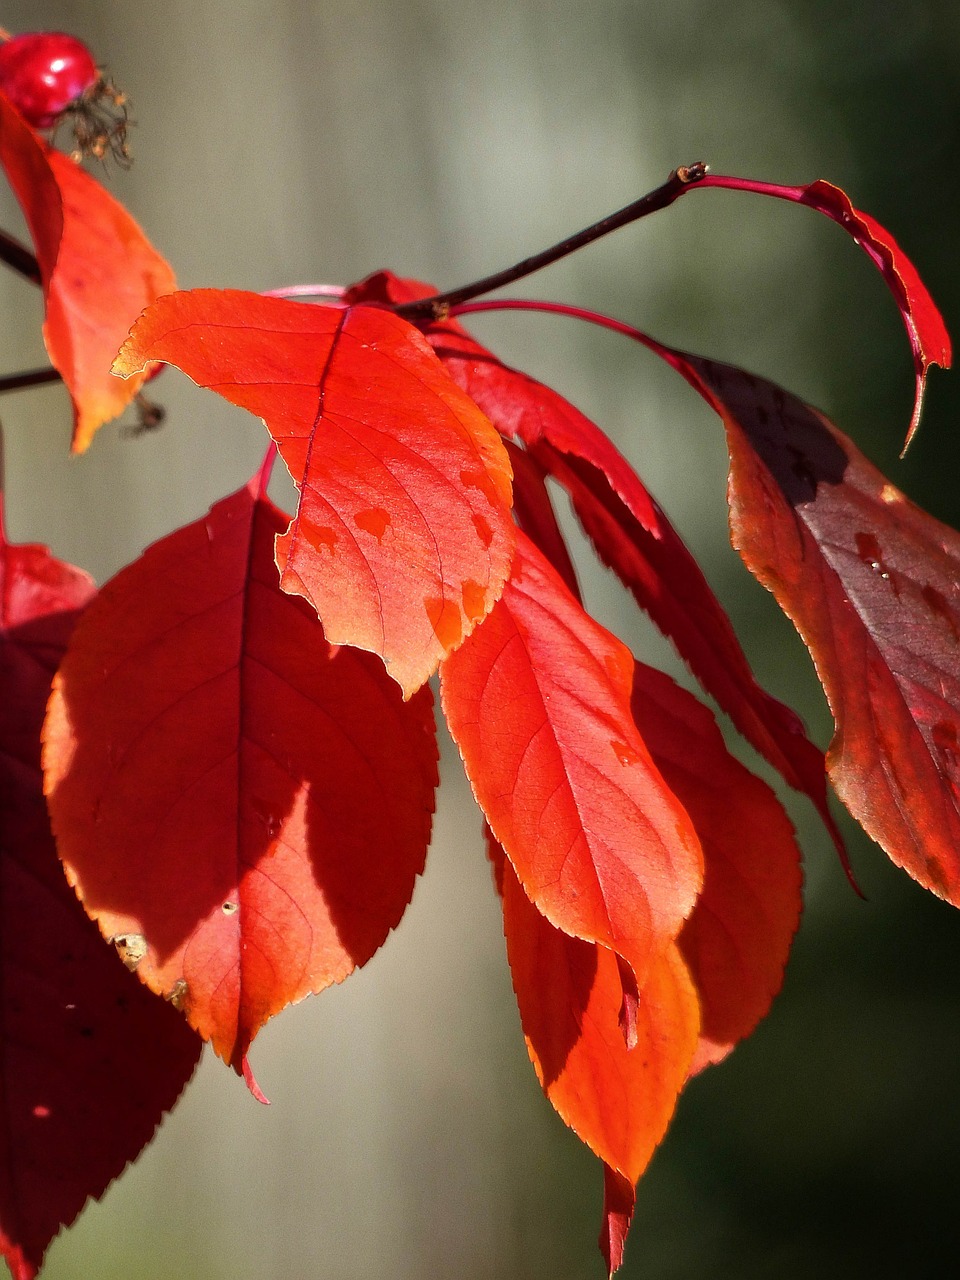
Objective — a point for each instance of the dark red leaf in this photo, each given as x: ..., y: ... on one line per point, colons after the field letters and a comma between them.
x: 97, y: 268
x: 91, y: 1061
x: 521, y: 407
x: 929, y: 340
x: 872, y: 583
x: 738, y: 937
x: 403, y: 536
x: 619, y: 1200
x: 535, y: 515
x: 243, y: 807
x: 538, y: 701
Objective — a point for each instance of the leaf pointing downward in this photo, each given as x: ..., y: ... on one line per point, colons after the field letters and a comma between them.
x: 403, y: 539
x: 618, y: 1101
x: 97, y: 269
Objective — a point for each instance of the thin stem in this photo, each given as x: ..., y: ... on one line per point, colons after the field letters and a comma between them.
x: 19, y: 257
x: 575, y: 313
x: 438, y: 306
x: 306, y: 291
x: 262, y: 479
x: 29, y: 378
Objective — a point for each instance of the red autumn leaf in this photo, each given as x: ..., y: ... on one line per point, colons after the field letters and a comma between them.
x: 290, y: 788
x: 538, y: 701
x: 738, y: 937
x: 97, y: 269
x: 633, y: 537
x: 91, y: 1061
x: 929, y: 340
x: 872, y: 583
x: 403, y: 539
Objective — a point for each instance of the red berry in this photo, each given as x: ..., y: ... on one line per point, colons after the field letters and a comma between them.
x: 45, y: 72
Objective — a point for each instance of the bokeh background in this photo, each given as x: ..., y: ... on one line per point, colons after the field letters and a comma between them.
x: 303, y: 140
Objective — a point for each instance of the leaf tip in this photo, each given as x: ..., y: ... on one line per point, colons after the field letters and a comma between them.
x: 918, y: 402
x: 250, y: 1081
x: 619, y: 1199
x: 129, y: 360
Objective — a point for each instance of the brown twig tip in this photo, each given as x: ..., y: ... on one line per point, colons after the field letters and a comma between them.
x: 687, y: 173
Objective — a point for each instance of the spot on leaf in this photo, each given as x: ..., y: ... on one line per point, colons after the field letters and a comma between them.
x: 939, y: 605
x: 483, y: 528
x: 376, y: 521
x: 474, y: 600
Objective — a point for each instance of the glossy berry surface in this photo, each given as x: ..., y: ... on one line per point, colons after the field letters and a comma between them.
x: 44, y: 72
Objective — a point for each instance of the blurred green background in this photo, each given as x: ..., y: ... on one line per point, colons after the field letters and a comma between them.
x: 306, y: 141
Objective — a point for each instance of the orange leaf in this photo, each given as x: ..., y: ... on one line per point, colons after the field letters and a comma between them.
x: 289, y: 790
x: 618, y: 1101
x: 91, y: 1060
x: 403, y: 538
x: 97, y: 269
x: 538, y: 701
x: 737, y: 939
